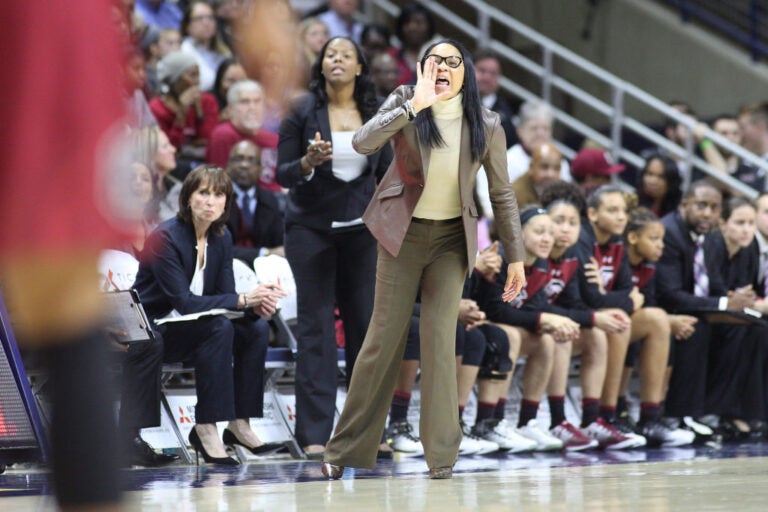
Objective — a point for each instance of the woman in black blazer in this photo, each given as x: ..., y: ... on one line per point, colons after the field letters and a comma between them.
x: 331, y: 252
x: 186, y: 268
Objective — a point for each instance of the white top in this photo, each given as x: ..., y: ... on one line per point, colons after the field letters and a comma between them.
x: 348, y: 164
x: 518, y: 162
x: 198, y: 281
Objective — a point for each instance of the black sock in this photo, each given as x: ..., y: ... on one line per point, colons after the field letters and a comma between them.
x: 649, y: 411
x: 485, y: 411
x: 500, y: 411
x: 556, y: 410
x: 608, y: 413
x: 528, y: 410
x: 398, y: 411
x: 590, y: 410
x: 621, y: 406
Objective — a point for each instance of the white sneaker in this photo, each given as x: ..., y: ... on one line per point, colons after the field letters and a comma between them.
x: 473, y: 445
x: 510, y: 440
x: 400, y: 437
x: 544, y: 440
x: 660, y: 434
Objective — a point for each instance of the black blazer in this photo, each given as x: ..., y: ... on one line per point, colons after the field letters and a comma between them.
x: 674, y: 282
x: 323, y: 199
x: 732, y: 273
x: 168, y: 263
x: 507, y: 113
x: 267, y: 230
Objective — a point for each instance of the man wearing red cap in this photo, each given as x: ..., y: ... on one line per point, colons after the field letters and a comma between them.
x: 592, y: 168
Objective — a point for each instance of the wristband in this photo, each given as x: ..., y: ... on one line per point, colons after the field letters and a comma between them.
x: 706, y: 143
x: 409, y: 112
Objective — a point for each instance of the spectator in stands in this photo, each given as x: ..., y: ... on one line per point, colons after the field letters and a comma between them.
x: 255, y: 221
x: 374, y: 41
x: 677, y: 133
x: 414, y: 28
x: 753, y: 121
x: 160, y: 14
x: 172, y: 283
x: 728, y: 126
x: 534, y: 127
x: 157, y: 45
x: 331, y: 252
x: 340, y: 19
x: 417, y: 216
x: 228, y: 12
x: 544, y: 170
x: 489, y: 70
x: 142, y: 192
x: 155, y: 150
x: 384, y: 72
x: 313, y: 35
x: 659, y: 185
x: 683, y: 284
x: 230, y: 72
x: 591, y: 169
x: 246, y: 107
x: 185, y: 114
x: 202, y: 41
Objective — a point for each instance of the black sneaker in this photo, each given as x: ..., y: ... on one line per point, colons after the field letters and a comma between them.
x: 626, y: 424
x: 659, y: 434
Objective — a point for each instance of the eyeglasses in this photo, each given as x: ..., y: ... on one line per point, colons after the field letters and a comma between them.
x: 452, y: 61
x: 201, y: 17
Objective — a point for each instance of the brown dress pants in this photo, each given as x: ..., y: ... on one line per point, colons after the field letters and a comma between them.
x: 433, y: 256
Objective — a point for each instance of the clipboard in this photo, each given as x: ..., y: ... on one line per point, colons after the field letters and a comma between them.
x: 126, y: 320
x: 716, y: 316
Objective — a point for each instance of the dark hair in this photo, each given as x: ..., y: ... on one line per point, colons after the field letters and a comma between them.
x: 218, y: 180
x: 732, y: 204
x: 365, y: 90
x: 596, y: 199
x: 473, y: 108
x: 757, y: 112
x: 683, y: 108
x: 412, y: 9
x: 671, y: 176
x: 217, y: 83
x: 485, y: 53
x: 374, y: 28
x: 639, y: 218
x: 696, y: 185
x: 564, y: 192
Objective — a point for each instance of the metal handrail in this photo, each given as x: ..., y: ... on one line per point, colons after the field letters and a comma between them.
x: 615, y: 112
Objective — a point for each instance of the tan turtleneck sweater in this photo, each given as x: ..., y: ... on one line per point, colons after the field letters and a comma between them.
x: 440, y: 198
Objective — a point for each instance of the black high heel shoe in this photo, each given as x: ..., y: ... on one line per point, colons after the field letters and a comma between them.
x: 231, y: 439
x: 197, y: 444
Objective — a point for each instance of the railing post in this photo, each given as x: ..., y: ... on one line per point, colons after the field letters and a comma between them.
x: 484, y: 26
x: 617, y: 122
x: 546, y: 79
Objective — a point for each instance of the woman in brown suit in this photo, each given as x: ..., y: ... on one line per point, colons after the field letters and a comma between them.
x: 425, y: 220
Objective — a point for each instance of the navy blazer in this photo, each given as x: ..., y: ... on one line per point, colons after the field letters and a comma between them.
x: 267, y: 230
x: 674, y: 282
x: 168, y: 263
x: 325, y: 198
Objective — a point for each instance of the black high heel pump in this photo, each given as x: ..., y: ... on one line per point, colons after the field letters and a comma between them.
x: 197, y: 444
x: 231, y: 439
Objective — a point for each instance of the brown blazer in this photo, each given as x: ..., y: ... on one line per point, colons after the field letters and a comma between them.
x: 390, y: 211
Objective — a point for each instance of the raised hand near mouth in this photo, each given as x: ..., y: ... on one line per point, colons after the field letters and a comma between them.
x: 424, y: 94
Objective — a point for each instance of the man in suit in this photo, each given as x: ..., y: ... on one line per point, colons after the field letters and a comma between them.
x: 488, y: 68
x: 681, y: 287
x: 255, y: 221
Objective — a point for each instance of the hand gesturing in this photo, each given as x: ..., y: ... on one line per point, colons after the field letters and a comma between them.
x: 424, y: 94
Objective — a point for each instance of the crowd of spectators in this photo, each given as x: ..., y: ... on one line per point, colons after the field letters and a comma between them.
x: 195, y: 104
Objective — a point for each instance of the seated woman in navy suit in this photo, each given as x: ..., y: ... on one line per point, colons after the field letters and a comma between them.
x: 186, y: 268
